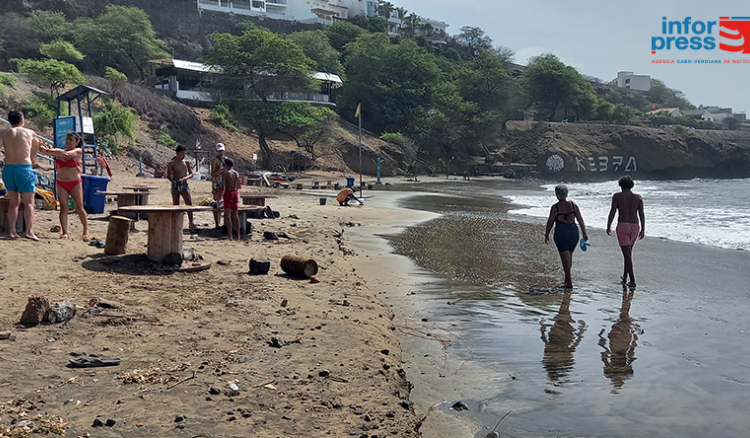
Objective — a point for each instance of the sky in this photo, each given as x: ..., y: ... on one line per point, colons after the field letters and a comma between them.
x: 600, y: 38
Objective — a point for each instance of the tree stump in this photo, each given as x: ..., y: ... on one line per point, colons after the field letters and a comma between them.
x: 117, y: 235
x: 298, y: 266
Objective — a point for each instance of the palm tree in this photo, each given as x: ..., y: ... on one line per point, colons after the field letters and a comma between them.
x: 385, y: 9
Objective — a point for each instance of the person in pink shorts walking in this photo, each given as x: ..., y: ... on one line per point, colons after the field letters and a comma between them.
x: 629, y: 207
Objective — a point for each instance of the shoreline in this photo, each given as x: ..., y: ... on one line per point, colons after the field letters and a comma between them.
x: 683, y: 288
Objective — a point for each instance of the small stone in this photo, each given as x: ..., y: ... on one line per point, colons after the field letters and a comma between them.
x: 246, y: 415
x: 97, y: 423
x: 460, y: 406
x: 405, y: 404
x: 276, y: 342
x: 110, y: 422
x: 324, y: 373
x: 214, y: 390
x: 284, y: 302
x: 232, y: 418
x: 5, y: 335
x: 230, y: 413
x: 385, y: 351
x: 286, y: 417
x: 367, y: 417
x: 178, y: 418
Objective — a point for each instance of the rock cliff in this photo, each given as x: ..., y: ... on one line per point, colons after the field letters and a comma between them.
x: 591, y: 152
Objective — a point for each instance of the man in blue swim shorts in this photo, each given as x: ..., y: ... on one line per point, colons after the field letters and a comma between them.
x: 21, y: 145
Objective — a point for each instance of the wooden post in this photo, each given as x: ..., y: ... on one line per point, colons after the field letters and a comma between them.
x: 164, y: 234
x: 117, y: 235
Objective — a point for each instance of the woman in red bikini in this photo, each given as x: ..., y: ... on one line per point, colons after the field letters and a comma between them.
x: 68, y: 165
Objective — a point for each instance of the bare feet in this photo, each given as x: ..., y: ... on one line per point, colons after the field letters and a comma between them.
x: 13, y: 235
x: 64, y: 237
x: 32, y: 236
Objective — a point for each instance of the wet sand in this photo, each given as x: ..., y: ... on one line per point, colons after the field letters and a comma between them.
x: 666, y: 359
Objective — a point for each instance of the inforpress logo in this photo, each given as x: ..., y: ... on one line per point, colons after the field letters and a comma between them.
x: 738, y: 32
x: 687, y: 34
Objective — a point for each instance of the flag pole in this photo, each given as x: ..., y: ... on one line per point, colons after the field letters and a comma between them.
x: 361, y: 187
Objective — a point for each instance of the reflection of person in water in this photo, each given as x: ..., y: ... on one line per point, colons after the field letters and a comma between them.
x: 561, y: 342
x: 623, y: 338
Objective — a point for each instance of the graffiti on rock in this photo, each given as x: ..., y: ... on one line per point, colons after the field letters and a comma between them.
x: 614, y: 163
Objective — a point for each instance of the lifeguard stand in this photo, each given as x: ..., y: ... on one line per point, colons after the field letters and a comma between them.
x: 79, y: 121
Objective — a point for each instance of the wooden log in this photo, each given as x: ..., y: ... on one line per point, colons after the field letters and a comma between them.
x: 117, y: 235
x: 164, y: 234
x: 298, y: 266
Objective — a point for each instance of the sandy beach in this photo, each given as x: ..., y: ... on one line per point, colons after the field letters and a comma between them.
x: 309, y: 359
x: 385, y: 344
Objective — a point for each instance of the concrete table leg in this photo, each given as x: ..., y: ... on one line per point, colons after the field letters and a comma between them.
x: 164, y: 234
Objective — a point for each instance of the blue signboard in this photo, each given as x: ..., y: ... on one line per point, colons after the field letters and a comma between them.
x: 63, y: 125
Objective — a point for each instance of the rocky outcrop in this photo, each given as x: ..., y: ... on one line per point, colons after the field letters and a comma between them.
x: 593, y: 152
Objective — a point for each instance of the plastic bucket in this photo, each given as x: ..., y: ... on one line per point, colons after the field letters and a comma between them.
x: 93, y: 201
x: 322, y: 201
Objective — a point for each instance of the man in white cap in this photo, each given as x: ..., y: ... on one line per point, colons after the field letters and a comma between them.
x: 217, y: 170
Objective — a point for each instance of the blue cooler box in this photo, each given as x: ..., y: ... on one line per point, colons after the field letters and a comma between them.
x: 350, y: 181
x: 93, y: 202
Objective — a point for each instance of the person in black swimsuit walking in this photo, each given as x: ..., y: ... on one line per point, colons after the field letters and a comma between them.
x: 563, y: 215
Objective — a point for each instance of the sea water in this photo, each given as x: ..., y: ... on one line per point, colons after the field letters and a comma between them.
x: 670, y: 358
x: 706, y: 212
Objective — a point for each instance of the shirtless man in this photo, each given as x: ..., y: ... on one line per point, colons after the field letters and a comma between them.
x: 217, y: 170
x: 629, y: 207
x: 179, y: 172
x: 21, y: 146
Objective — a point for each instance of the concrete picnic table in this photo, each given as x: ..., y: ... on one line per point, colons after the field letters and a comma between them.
x: 127, y: 199
x: 140, y: 188
x: 164, y: 227
x: 255, y: 199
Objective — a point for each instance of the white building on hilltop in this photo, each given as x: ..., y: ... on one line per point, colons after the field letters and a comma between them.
x: 628, y: 79
x: 305, y: 11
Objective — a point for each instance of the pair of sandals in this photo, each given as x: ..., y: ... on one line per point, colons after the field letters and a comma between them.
x: 97, y: 243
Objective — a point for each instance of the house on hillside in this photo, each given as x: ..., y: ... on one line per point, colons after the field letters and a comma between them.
x: 191, y: 82
x: 306, y: 11
x: 628, y: 79
x: 672, y: 112
x: 714, y: 113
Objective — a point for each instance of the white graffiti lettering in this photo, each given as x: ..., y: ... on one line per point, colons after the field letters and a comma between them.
x: 592, y: 164
x: 617, y: 162
x: 631, y: 160
x: 603, y: 162
x: 579, y: 164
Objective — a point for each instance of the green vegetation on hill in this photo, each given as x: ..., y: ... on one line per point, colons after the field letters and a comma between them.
x: 450, y: 94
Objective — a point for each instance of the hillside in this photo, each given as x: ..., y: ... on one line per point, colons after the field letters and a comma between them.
x: 184, y: 123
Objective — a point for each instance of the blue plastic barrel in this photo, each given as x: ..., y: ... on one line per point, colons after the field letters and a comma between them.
x: 93, y: 201
x: 350, y: 181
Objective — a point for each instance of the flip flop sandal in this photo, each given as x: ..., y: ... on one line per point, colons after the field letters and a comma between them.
x: 94, y: 242
x: 93, y: 362
x: 100, y: 244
